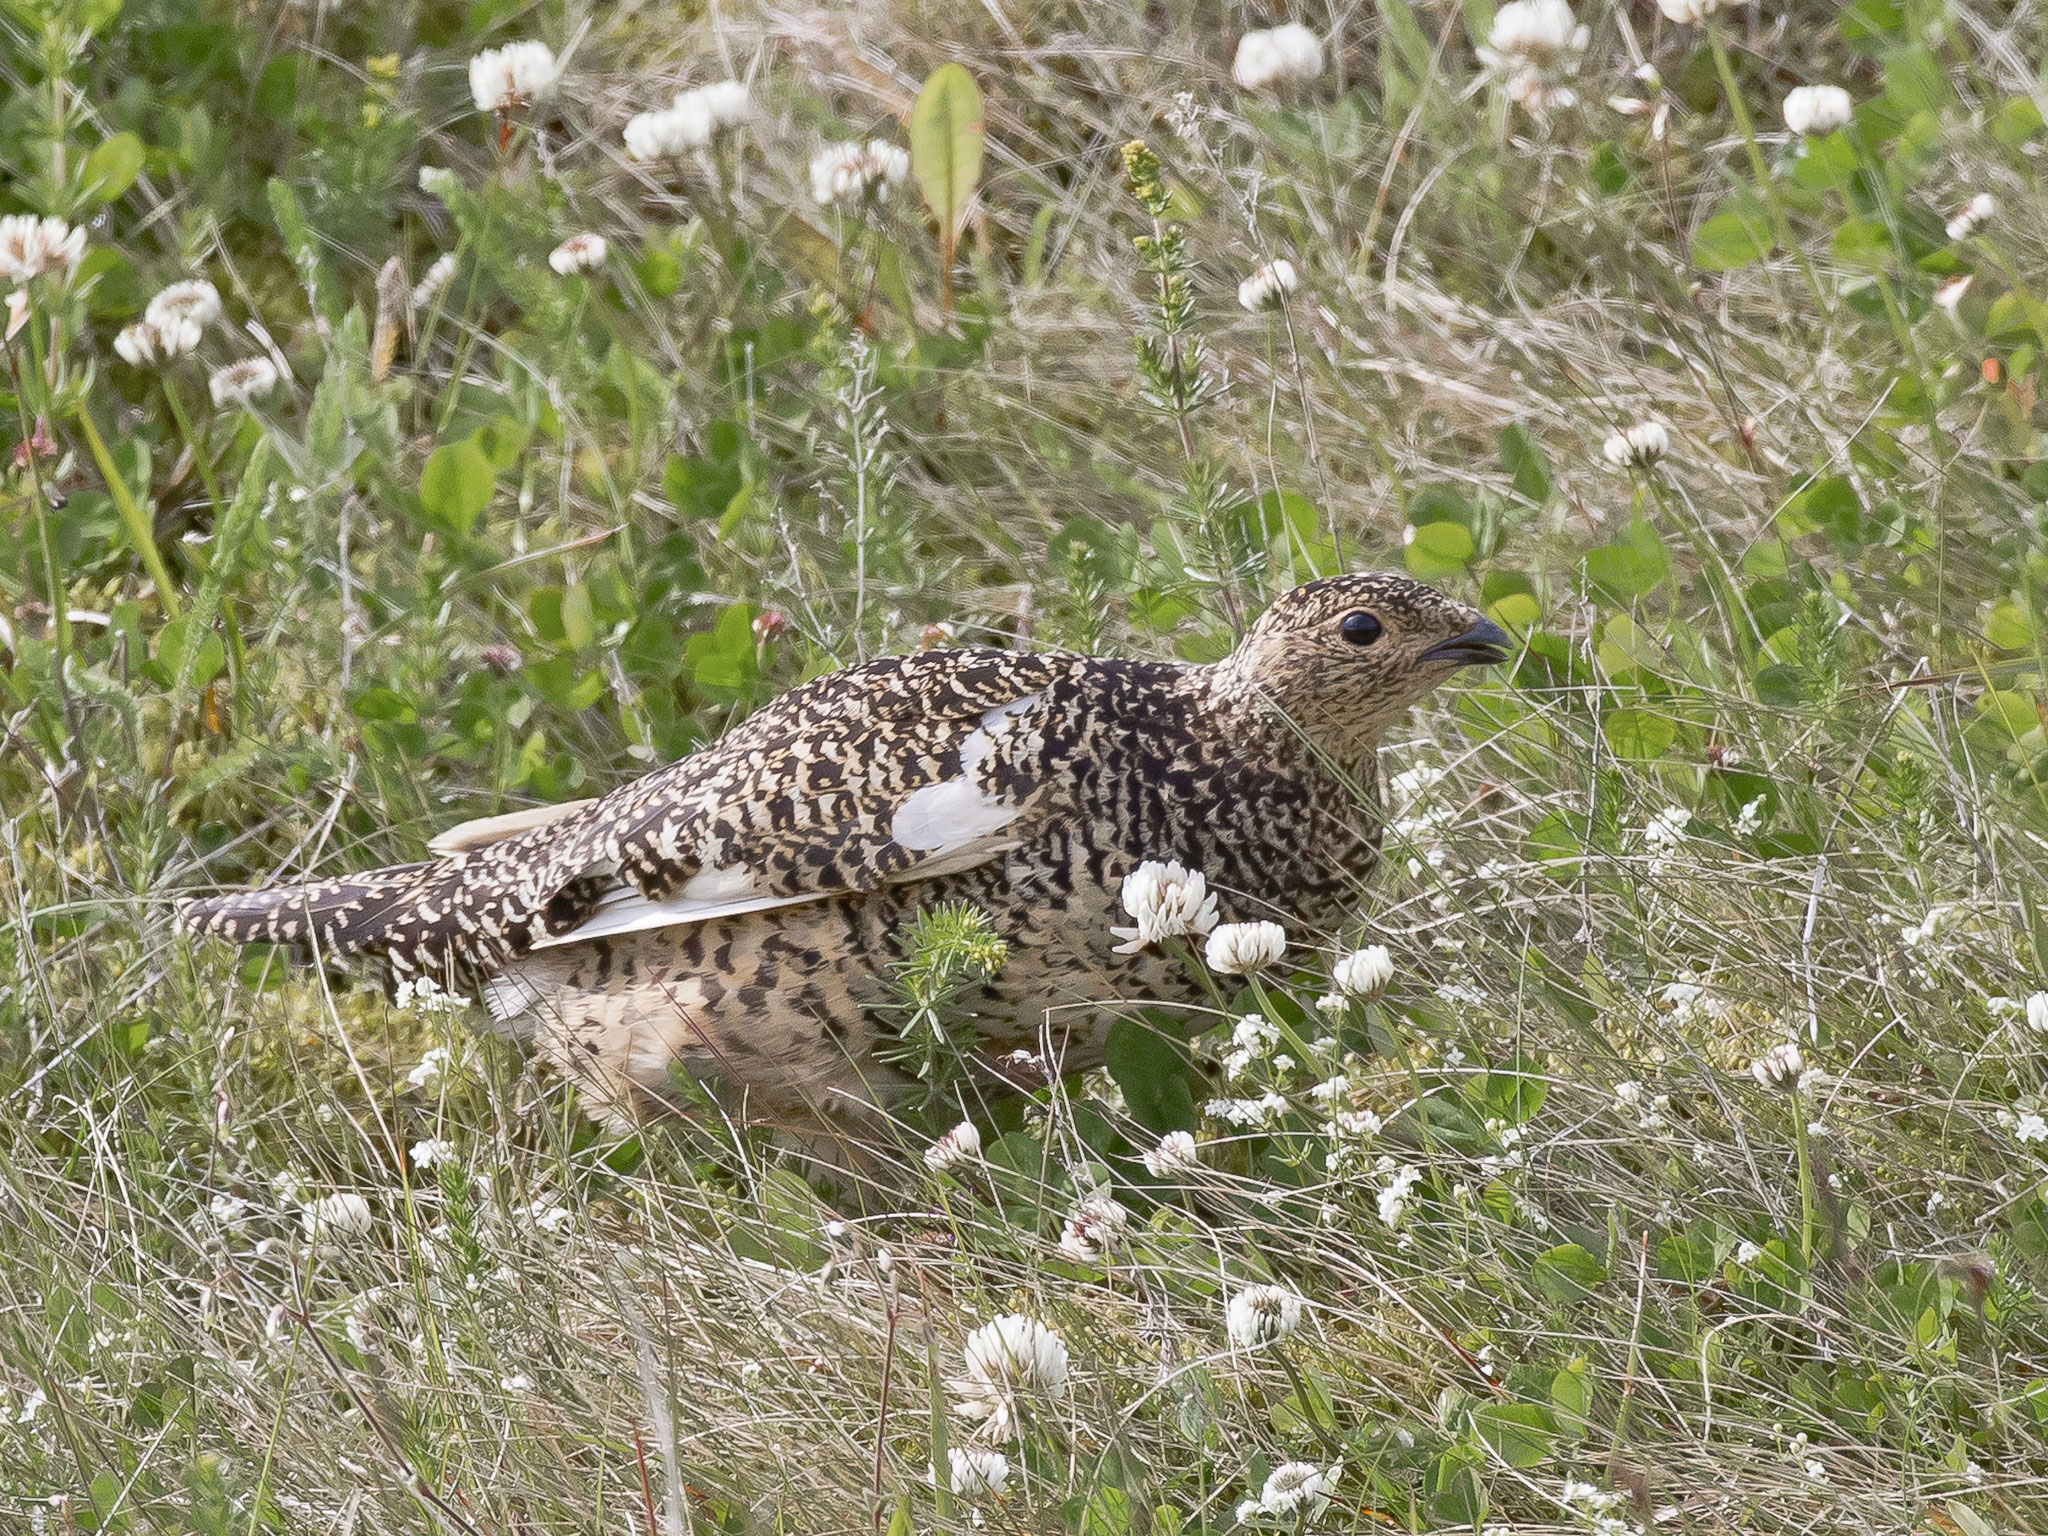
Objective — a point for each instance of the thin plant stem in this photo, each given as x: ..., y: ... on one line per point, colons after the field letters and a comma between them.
x: 139, y: 531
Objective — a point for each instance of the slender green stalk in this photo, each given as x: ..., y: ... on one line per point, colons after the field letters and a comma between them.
x: 139, y: 531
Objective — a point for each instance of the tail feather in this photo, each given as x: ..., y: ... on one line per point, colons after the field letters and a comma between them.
x: 345, y: 916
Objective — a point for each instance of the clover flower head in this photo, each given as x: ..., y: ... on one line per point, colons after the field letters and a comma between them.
x: 146, y: 344
x: 1260, y: 1315
x: 243, y: 383
x: 1097, y: 1225
x: 1812, y: 110
x: 583, y: 252
x: 516, y: 75
x: 1364, y: 972
x: 1779, y: 1067
x: 724, y: 104
x: 1297, y: 1488
x: 1017, y: 1353
x: 334, y: 1217
x: 1238, y: 949
x: 976, y: 1471
x: 959, y: 1146
x: 1165, y: 901
x: 1533, y: 32
x: 1277, y: 57
x: 1973, y: 216
x: 1638, y: 446
x: 2037, y: 1013
x: 432, y: 1152
x: 31, y: 247
x: 1268, y: 286
x: 1176, y: 1156
x: 847, y: 173
x: 194, y: 300
x: 435, y: 282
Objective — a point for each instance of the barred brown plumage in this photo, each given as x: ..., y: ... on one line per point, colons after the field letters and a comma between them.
x: 738, y: 910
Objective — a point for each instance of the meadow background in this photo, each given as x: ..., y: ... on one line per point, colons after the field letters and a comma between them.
x: 1736, y: 427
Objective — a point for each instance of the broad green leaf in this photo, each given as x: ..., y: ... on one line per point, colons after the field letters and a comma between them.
x: 946, y: 131
x: 112, y: 167
x: 1731, y: 241
x: 1631, y: 567
x: 1437, y: 549
x: 191, y: 655
x: 579, y: 624
x: 1829, y: 505
x: 1864, y: 243
x: 2009, y: 628
x: 1566, y: 1273
x: 1524, y: 461
x: 456, y: 485
x: 1151, y: 1069
x: 1520, y: 1434
x: 1639, y: 734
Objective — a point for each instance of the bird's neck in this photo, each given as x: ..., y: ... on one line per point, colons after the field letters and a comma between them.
x: 1347, y: 743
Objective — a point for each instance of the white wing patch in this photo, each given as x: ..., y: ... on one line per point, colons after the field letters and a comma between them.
x: 953, y: 822
x: 485, y: 830
x: 954, y: 816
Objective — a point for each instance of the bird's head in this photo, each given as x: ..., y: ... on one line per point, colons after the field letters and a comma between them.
x: 1344, y: 658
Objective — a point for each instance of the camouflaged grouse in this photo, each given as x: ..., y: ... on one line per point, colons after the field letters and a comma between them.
x: 738, y: 911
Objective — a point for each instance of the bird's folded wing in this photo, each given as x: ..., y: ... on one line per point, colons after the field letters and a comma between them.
x: 902, y: 770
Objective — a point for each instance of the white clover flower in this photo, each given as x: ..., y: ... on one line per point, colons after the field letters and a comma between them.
x: 333, y: 1217
x: 432, y: 1152
x: 976, y: 1471
x: 242, y: 383
x: 1411, y: 784
x: 1278, y: 57
x: 1364, y: 972
x: 1167, y: 902
x: 1637, y: 447
x: 1096, y: 1226
x: 724, y: 104
x: 583, y: 252
x: 1238, y: 949
x: 1268, y: 286
x: 194, y: 300
x: 1666, y: 829
x: 1938, y: 920
x: 673, y: 130
x: 2030, y: 1127
x: 518, y: 1382
x: 1817, y: 109
x: 1747, y: 1253
x: 1297, y: 1488
x: 1176, y: 1156
x: 848, y: 172
x: 1253, y: 1037
x: 1260, y: 1315
x: 148, y: 345
x: 1973, y: 216
x: 1016, y: 1353
x: 962, y: 1144
x: 516, y: 75
x: 227, y: 1209
x: 2037, y: 1013
x: 1750, y: 819
x: 1394, y: 1195
x: 1251, y: 1113
x: 1689, y: 12
x: 1535, y: 31
x: 1779, y: 1067
x: 431, y: 1069
x: 30, y: 247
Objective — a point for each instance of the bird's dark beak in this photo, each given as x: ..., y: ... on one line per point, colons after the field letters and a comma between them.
x: 1484, y: 644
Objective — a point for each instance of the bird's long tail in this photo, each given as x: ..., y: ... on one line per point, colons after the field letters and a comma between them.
x: 352, y: 915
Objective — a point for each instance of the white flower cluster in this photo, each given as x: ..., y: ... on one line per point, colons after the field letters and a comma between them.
x: 1534, y: 45
x: 1973, y: 216
x: 1779, y: 1067
x: 846, y: 174
x: 332, y: 1218
x: 242, y: 383
x: 433, y: 1066
x: 1939, y: 920
x: 958, y: 1147
x: 694, y: 120
x: 2037, y: 1013
x: 31, y: 247
x: 2029, y: 1126
x: 1238, y: 949
x: 1251, y: 1041
x: 1005, y: 1358
x: 1364, y: 973
x: 1638, y: 446
x: 1097, y: 1225
x: 1165, y: 901
x: 1268, y: 286
x: 1690, y: 12
x: 1176, y: 1156
x: 1812, y: 110
x: 975, y: 1471
x: 1299, y: 1489
x: 1395, y: 1193
x: 1637, y: 1100
x: 431, y: 286
x: 1252, y: 1114
x: 171, y: 325
x: 516, y: 75
x: 431, y: 1153
x: 1278, y: 58
x: 583, y: 252
x: 1260, y: 1315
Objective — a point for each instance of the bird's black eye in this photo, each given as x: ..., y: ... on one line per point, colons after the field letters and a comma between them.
x: 1360, y: 628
